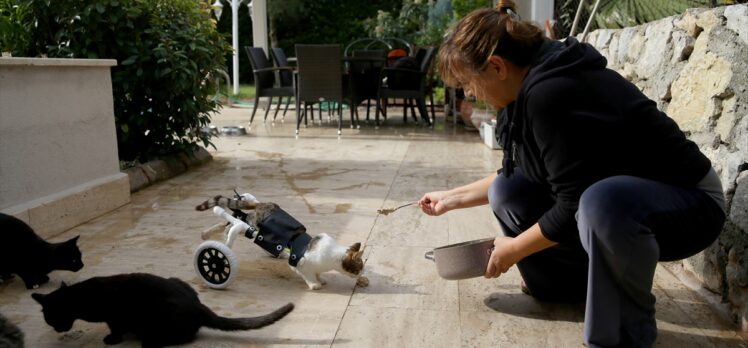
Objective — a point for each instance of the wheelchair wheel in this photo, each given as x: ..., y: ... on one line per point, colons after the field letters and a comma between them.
x: 216, y: 264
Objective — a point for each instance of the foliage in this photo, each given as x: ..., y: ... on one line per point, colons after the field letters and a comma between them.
x: 615, y: 14
x: 14, y: 29
x: 326, y: 21
x: 463, y: 7
x: 417, y: 21
x: 166, y: 51
x: 440, y: 17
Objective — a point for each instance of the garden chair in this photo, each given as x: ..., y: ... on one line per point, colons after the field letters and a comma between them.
x: 412, y: 91
x: 265, y: 85
x: 320, y: 79
x: 363, y: 72
x: 286, y: 76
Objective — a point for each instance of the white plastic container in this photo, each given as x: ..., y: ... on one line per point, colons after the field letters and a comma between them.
x: 488, y: 130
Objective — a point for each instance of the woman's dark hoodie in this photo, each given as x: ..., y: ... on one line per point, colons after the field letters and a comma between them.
x: 576, y: 122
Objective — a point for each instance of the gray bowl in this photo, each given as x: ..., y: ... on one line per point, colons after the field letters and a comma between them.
x: 462, y: 260
x: 233, y: 130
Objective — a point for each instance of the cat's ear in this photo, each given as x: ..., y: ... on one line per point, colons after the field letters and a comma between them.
x: 38, y: 297
x: 355, y: 247
x: 73, y: 240
x: 63, y: 285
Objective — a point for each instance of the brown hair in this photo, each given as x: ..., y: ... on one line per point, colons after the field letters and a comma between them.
x: 483, y: 33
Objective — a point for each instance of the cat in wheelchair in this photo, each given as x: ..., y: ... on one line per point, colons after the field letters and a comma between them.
x: 278, y: 233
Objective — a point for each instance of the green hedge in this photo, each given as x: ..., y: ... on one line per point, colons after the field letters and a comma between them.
x: 166, y: 52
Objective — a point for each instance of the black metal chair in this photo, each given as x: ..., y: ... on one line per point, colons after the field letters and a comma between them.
x: 265, y: 85
x: 286, y: 76
x: 319, y: 79
x: 416, y: 88
x: 363, y: 72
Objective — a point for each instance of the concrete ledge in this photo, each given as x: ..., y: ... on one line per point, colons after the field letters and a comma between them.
x: 149, y: 173
x: 54, y: 214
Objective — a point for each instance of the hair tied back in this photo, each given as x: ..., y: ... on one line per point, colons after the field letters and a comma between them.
x: 514, y: 15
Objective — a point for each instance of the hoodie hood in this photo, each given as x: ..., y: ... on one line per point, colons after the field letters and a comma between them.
x: 556, y: 58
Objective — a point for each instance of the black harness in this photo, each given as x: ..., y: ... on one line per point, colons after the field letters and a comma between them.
x: 278, y: 231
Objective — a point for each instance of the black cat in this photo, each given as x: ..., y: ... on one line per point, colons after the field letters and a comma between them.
x: 22, y: 252
x: 10, y: 335
x: 159, y: 311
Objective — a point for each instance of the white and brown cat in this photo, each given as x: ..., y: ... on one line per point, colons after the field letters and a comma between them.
x: 322, y: 253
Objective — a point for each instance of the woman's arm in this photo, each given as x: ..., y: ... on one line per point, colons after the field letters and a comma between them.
x: 470, y: 195
x: 508, y: 251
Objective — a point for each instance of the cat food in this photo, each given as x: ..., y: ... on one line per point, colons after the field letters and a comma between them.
x: 388, y: 211
x: 362, y: 281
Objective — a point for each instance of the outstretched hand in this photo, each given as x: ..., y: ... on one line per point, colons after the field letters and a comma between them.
x: 433, y: 203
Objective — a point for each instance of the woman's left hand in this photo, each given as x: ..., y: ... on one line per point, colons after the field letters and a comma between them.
x: 503, y: 257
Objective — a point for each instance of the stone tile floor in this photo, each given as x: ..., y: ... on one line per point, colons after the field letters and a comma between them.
x: 335, y: 185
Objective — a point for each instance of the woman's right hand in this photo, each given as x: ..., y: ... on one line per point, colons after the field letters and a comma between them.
x: 435, y: 203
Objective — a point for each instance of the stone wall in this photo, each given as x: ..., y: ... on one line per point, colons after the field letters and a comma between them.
x: 696, y: 67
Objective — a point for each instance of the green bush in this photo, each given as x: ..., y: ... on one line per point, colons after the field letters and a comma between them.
x: 166, y: 52
x: 14, y: 32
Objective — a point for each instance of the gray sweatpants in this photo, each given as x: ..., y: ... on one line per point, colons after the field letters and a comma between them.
x: 625, y: 226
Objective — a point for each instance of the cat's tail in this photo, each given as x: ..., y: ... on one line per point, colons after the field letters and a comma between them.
x: 226, y: 202
x: 215, y: 321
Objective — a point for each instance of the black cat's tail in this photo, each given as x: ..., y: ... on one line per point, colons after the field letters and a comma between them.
x: 216, y: 321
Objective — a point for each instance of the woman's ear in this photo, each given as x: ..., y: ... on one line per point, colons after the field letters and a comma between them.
x: 499, y: 65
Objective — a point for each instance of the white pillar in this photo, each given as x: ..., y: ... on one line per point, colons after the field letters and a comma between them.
x: 235, y: 41
x: 260, y: 24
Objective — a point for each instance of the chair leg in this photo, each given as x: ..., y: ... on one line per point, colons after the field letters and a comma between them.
x: 288, y: 101
x: 368, y: 105
x: 405, y: 110
x: 311, y: 109
x: 412, y: 110
x: 277, y: 107
x: 254, y: 110
x: 423, y: 111
x: 267, y: 110
x: 353, y: 111
x: 377, y: 110
x: 433, y: 113
x: 340, y: 118
x: 299, y: 114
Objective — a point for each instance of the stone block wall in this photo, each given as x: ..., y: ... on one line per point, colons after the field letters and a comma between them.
x: 695, y: 66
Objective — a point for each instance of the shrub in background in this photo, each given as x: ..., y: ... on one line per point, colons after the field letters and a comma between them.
x: 166, y: 52
x: 14, y: 32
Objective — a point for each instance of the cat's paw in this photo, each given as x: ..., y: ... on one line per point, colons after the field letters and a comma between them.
x: 321, y: 281
x: 315, y: 286
x: 111, y: 339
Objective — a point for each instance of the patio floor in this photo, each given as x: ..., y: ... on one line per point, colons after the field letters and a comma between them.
x: 335, y: 185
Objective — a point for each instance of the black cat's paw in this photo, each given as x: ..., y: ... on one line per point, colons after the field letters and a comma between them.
x: 111, y: 339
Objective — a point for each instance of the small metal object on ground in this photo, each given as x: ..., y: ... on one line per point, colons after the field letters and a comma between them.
x: 233, y: 130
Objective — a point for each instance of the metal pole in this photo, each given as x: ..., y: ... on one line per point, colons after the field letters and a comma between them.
x: 235, y: 40
x: 576, y: 18
x: 589, y: 22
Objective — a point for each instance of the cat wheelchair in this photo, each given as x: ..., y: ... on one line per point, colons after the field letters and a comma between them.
x: 278, y: 234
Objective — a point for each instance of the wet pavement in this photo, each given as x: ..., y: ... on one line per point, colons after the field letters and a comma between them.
x: 336, y: 185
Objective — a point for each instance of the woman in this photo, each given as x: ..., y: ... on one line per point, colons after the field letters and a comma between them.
x: 597, y: 185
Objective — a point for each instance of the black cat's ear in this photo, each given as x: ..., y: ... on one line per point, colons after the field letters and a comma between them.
x: 63, y: 285
x: 38, y: 297
x: 355, y: 247
x: 74, y: 239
